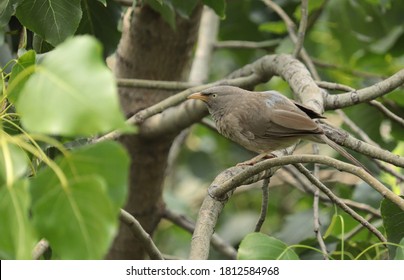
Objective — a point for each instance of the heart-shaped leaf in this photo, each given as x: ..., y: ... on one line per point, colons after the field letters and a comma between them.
x: 72, y: 93
x: 258, y: 246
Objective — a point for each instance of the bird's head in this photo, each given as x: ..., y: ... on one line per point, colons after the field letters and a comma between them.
x: 218, y: 96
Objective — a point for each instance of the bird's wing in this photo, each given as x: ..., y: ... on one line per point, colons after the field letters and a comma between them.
x: 277, y: 97
x: 291, y: 123
x: 281, y: 117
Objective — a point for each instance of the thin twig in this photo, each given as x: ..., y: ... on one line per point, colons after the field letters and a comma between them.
x: 247, y: 44
x: 291, y: 27
x: 387, y: 112
x: 317, y: 230
x: 334, y: 86
x: 141, y: 235
x: 40, y: 248
x: 264, y: 205
x: 343, y: 138
x: 307, y: 187
x: 302, y: 28
x: 316, y: 210
x: 358, y: 228
x: 362, y: 134
x: 217, y: 242
x: 340, y: 203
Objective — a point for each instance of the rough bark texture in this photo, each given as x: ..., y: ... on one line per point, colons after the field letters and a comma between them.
x: 149, y: 49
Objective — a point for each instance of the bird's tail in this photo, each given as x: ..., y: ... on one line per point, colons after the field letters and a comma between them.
x: 343, y: 152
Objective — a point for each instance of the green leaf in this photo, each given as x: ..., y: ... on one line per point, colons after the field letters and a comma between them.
x: 393, y: 221
x: 53, y: 20
x: 101, y: 20
x: 17, y: 236
x: 258, y: 246
x: 7, y: 9
x: 400, y: 251
x: 107, y: 159
x: 77, y: 218
x: 184, y: 8
x: 40, y: 45
x: 219, y: 6
x: 13, y: 163
x: 71, y: 93
x: 299, y: 226
x: 104, y: 2
x: 17, y: 78
x: 82, y: 210
x: 165, y: 9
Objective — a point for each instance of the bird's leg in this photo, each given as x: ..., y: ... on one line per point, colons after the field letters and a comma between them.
x: 256, y: 159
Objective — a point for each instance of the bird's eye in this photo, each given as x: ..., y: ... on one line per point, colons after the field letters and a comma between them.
x: 214, y: 95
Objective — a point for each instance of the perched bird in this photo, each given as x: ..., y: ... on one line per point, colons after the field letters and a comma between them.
x: 263, y: 122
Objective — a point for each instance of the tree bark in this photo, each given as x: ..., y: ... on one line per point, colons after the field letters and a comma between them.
x: 149, y: 49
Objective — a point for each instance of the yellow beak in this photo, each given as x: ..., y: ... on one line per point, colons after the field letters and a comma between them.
x: 198, y: 96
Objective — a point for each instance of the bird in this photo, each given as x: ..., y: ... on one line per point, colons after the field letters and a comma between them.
x: 264, y: 122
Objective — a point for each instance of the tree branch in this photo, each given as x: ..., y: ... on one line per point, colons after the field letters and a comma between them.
x: 247, y: 174
x: 141, y: 235
x: 247, y: 44
x: 342, y: 205
x: 343, y: 138
x: 264, y: 205
x: 307, y: 187
x: 40, y: 248
x: 365, y: 94
x: 153, y: 84
x: 208, y: 30
x: 302, y: 28
x: 217, y: 242
x: 387, y: 112
x: 292, y: 34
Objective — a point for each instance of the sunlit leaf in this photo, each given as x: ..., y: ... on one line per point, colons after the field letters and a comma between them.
x: 16, y: 84
x: 78, y: 215
x: 17, y: 236
x: 13, y: 163
x: 77, y: 219
x: 72, y: 93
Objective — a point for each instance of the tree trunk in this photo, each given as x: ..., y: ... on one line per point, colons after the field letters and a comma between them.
x: 149, y: 49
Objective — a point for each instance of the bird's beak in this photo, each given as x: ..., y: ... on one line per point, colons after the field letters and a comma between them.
x: 199, y: 96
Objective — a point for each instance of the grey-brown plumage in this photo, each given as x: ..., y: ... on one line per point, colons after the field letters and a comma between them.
x: 263, y: 122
